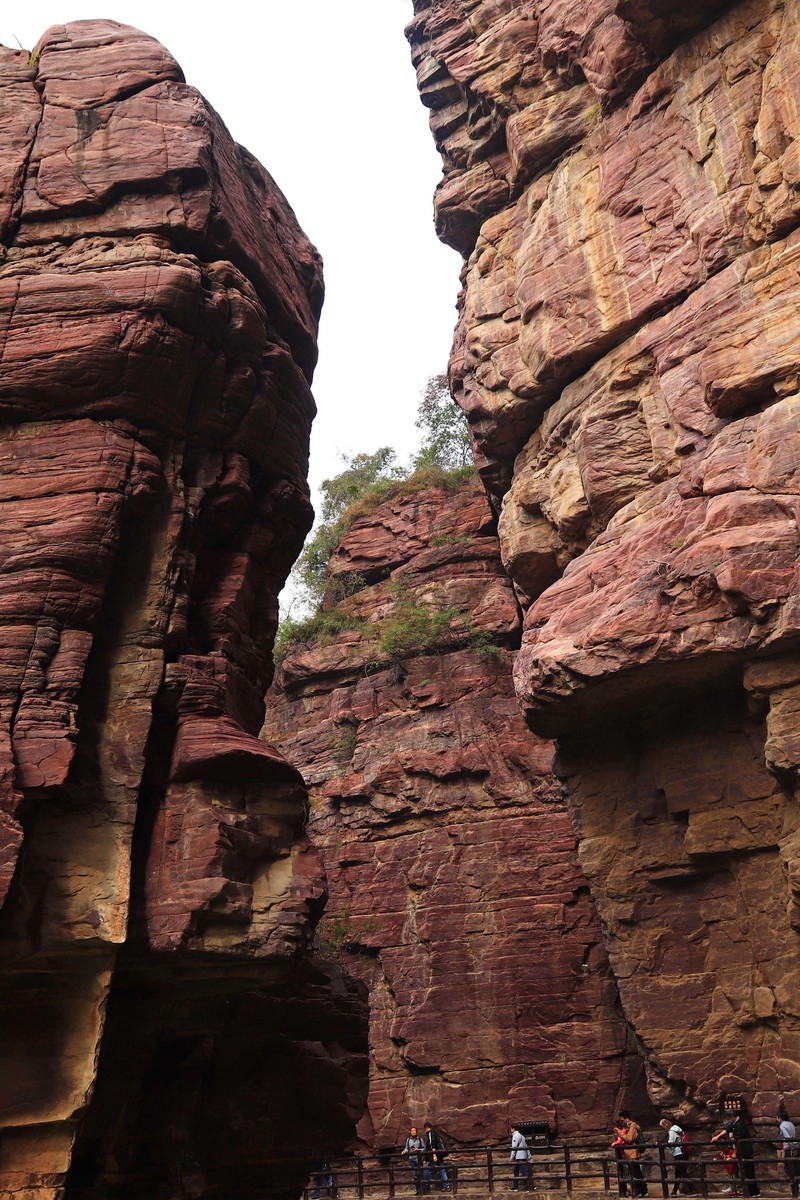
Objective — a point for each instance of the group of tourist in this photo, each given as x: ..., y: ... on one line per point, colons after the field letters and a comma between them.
x: 735, y: 1142
x: 426, y: 1156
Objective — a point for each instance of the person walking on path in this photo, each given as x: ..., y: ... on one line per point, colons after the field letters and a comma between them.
x: 323, y: 1178
x: 676, y: 1141
x: 434, y: 1156
x: 413, y: 1148
x: 618, y: 1145
x: 737, y: 1132
x: 519, y: 1156
x: 790, y: 1148
x: 632, y: 1136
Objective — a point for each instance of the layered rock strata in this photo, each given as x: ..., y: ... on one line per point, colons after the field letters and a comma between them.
x: 158, y: 315
x: 627, y: 355
x: 455, y: 891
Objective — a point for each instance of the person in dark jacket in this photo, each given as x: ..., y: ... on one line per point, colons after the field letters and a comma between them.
x: 323, y: 1178
x: 742, y: 1135
x: 737, y: 1131
x: 434, y: 1158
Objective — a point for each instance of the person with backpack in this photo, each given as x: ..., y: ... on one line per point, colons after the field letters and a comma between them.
x: 634, y: 1143
x: 519, y: 1156
x: 682, y: 1150
x: 434, y: 1158
x: 413, y: 1148
x: 790, y: 1147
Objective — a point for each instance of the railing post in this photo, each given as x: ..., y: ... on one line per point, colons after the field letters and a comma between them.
x: 703, y: 1179
x: 662, y: 1166
x: 568, y: 1170
x: 489, y: 1169
x: 391, y: 1180
x: 454, y: 1178
x: 360, y: 1177
x: 606, y: 1173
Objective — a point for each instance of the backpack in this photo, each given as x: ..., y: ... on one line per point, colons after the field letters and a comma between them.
x: 687, y: 1145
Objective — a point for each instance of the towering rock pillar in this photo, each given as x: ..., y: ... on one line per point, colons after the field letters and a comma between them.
x: 158, y: 315
x: 623, y: 180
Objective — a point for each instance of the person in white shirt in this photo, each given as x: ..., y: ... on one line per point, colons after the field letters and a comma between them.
x: 791, y: 1149
x: 519, y: 1156
x: 675, y: 1143
x: 413, y: 1148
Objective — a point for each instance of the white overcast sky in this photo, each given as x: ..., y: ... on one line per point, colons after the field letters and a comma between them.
x: 323, y: 93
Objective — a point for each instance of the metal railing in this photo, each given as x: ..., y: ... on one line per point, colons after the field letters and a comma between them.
x: 566, y: 1168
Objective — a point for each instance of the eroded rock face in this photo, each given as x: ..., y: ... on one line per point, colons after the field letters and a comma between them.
x: 158, y: 314
x: 455, y: 891
x: 627, y: 356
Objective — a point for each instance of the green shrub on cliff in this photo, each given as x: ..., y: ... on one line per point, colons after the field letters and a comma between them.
x: 445, y: 436
x: 342, y: 933
x: 319, y: 626
x: 415, y: 626
x: 367, y: 481
x: 363, y: 473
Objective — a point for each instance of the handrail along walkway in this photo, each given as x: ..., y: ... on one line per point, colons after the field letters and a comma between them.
x: 569, y: 1168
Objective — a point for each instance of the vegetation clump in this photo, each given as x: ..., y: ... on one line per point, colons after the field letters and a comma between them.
x: 415, y: 627
x: 445, y: 436
x: 342, y: 933
x: 444, y: 460
x: 346, y: 742
x: 321, y: 626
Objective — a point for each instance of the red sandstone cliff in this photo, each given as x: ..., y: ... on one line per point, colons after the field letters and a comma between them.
x: 455, y: 891
x: 158, y: 314
x: 623, y: 179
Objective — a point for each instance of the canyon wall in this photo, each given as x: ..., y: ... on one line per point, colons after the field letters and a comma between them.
x: 163, y: 1031
x: 455, y: 890
x: 624, y: 182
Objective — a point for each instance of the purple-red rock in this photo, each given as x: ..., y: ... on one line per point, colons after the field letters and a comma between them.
x: 627, y: 355
x: 455, y: 891
x: 158, y: 317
